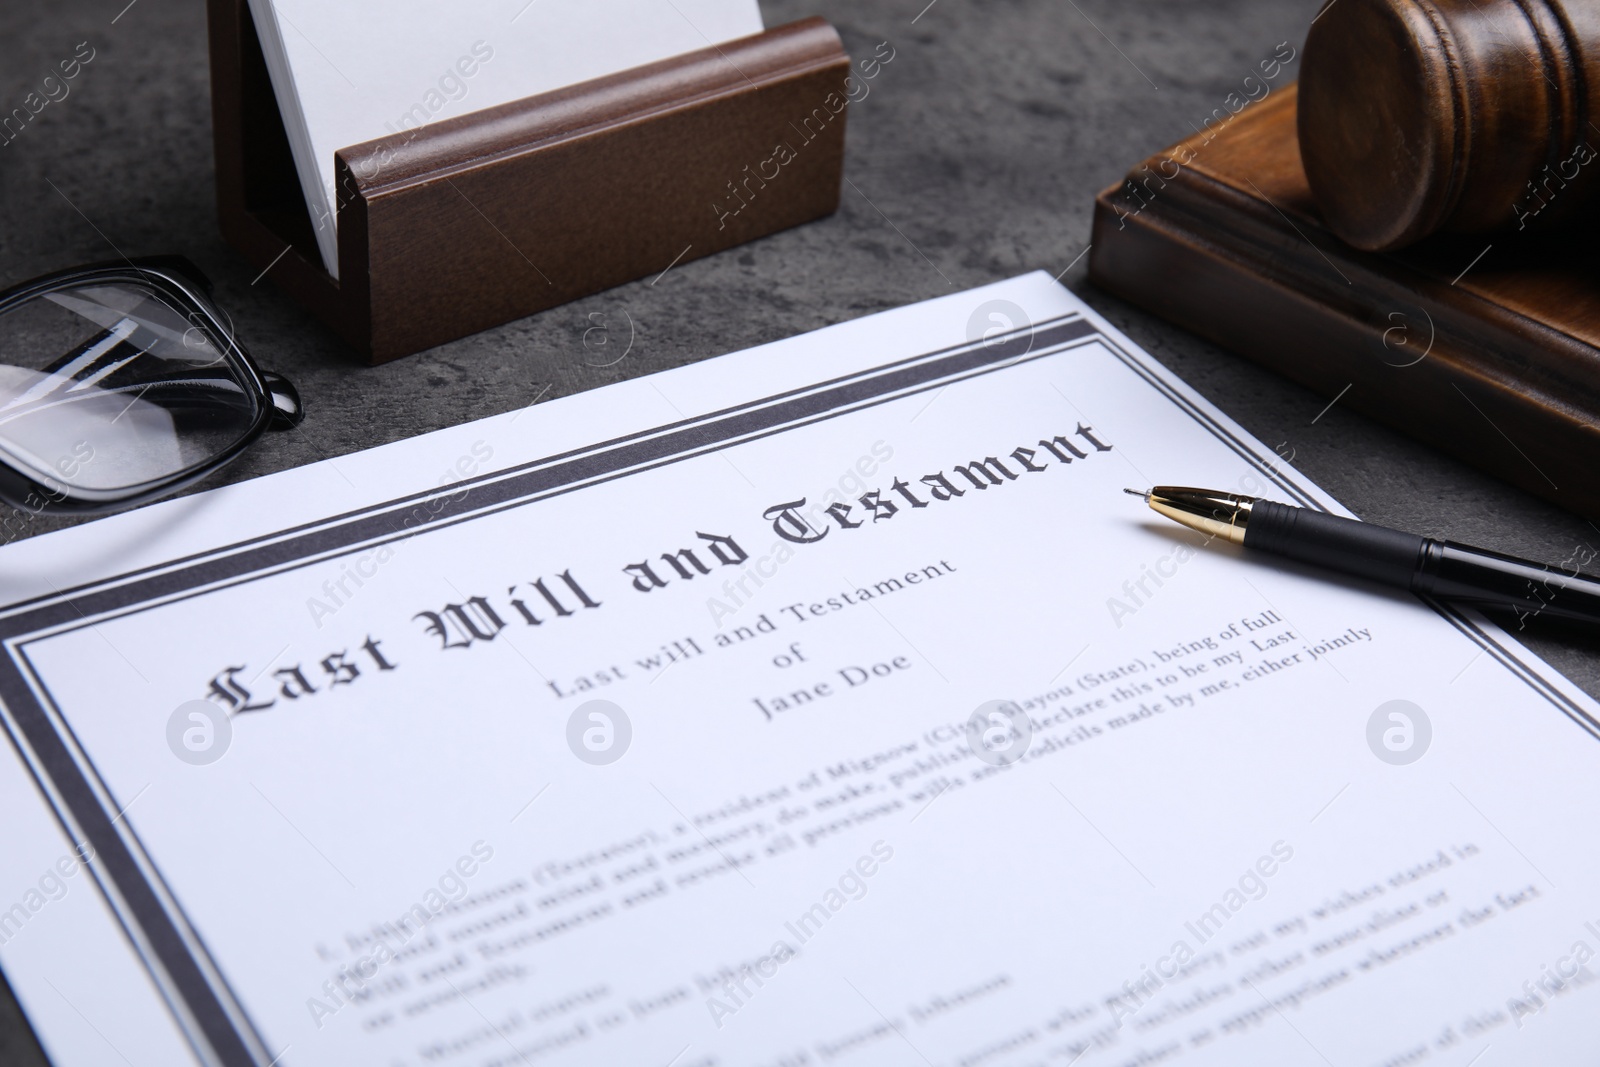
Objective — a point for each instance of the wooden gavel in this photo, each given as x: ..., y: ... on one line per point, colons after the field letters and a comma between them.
x: 1421, y: 116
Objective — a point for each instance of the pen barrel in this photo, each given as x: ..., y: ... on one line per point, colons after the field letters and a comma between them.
x: 1445, y: 570
x: 1359, y: 549
x: 1466, y: 575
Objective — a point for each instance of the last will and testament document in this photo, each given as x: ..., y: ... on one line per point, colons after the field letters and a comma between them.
x: 825, y: 703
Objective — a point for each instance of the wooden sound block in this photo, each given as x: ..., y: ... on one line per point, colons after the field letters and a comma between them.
x: 1486, y: 347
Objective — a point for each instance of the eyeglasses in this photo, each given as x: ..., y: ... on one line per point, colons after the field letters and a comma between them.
x: 121, y: 383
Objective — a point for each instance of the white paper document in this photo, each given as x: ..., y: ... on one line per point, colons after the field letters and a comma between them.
x: 825, y: 703
x: 348, y: 72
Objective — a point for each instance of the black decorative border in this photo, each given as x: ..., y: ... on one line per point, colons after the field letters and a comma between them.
x: 190, y: 980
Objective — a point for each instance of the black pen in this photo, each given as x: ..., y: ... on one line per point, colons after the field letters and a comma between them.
x: 1444, y: 570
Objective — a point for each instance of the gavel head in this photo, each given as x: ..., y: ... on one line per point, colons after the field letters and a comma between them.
x: 1417, y: 116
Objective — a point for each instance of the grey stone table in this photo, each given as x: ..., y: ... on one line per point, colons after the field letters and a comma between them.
x: 975, y: 157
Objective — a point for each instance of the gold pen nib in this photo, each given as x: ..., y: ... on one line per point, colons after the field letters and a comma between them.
x: 1213, y: 513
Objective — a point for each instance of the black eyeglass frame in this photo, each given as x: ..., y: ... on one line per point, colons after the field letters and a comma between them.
x: 187, y: 288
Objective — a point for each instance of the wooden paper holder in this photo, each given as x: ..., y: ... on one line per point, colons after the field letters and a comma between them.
x: 470, y: 222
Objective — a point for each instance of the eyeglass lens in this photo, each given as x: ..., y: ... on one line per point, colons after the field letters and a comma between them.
x: 108, y: 387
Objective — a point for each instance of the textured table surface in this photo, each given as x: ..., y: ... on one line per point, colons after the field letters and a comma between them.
x: 975, y: 157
